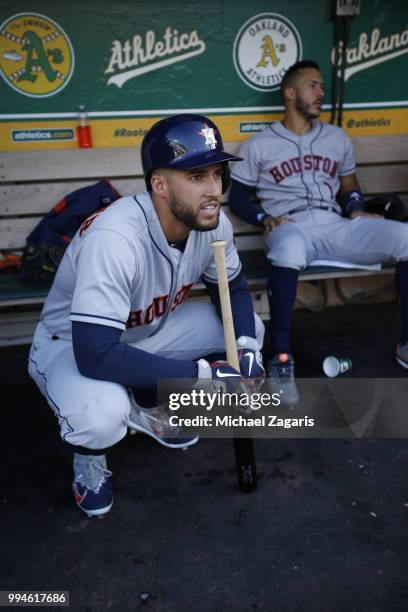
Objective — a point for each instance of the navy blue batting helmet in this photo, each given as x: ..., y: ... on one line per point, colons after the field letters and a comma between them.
x: 185, y: 142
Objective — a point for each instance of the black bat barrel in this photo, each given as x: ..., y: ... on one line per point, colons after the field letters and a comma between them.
x: 245, y: 464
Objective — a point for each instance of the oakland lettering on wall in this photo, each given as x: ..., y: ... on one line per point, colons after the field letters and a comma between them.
x: 373, y: 49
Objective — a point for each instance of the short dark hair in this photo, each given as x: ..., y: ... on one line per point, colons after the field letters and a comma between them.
x: 293, y: 72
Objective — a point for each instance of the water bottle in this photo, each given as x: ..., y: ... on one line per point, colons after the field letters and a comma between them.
x: 84, y: 135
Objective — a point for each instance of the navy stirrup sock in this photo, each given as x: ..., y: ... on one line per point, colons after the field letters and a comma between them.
x: 282, y: 285
x: 401, y: 284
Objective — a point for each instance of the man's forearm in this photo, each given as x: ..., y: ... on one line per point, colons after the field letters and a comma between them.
x: 240, y: 203
x: 99, y: 354
x: 241, y: 305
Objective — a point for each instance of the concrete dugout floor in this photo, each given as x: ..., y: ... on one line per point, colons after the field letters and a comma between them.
x: 327, y: 528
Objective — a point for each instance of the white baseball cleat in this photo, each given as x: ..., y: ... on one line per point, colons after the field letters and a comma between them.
x: 155, y: 423
x: 92, y: 486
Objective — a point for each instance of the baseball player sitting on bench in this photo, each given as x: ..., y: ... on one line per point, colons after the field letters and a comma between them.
x: 115, y: 320
x: 301, y: 169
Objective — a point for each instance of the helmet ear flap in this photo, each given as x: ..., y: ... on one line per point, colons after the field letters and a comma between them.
x: 226, y: 178
x: 148, y: 181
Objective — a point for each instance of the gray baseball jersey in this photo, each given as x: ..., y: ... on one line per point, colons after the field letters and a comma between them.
x: 119, y: 270
x: 291, y: 171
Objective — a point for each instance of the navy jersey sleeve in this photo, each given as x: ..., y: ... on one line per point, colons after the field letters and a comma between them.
x: 99, y: 354
x: 241, y: 204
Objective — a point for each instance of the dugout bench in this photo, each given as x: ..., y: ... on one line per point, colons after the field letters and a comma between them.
x: 32, y: 182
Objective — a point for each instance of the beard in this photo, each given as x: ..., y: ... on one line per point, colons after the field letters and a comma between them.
x: 184, y: 213
x: 305, y: 109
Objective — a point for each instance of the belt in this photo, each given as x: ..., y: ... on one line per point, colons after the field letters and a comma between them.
x: 302, y: 208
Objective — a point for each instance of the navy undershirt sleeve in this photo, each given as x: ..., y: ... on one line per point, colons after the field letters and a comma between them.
x: 240, y: 203
x: 241, y: 305
x: 99, y: 354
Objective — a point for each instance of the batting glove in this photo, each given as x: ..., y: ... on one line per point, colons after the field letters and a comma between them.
x: 221, y: 375
x: 250, y: 361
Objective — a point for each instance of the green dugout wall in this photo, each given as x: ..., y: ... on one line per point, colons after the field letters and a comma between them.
x: 132, y: 62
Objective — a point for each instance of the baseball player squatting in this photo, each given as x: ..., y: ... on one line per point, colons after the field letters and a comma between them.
x: 311, y: 206
x: 116, y: 318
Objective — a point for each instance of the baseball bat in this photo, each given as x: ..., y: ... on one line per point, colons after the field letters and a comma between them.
x: 243, y: 447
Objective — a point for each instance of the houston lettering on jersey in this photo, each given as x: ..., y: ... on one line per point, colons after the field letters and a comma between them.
x: 90, y: 220
x: 157, y: 308
x: 296, y: 165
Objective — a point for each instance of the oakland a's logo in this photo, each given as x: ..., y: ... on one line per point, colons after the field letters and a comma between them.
x: 264, y: 48
x: 36, y: 56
